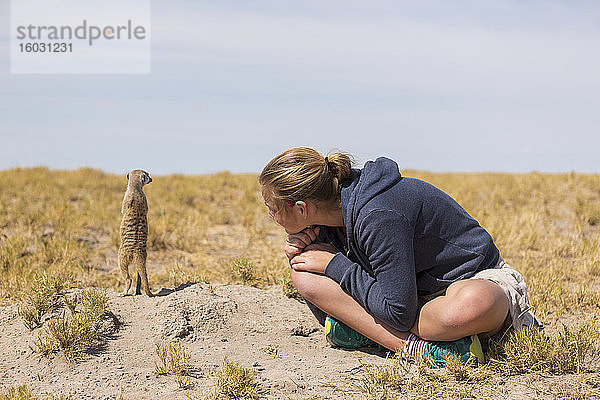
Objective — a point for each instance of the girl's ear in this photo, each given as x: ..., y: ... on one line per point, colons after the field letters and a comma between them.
x: 302, y: 208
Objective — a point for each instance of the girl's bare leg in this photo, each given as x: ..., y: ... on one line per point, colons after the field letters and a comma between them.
x: 328, y: 296
x: 469, y: 307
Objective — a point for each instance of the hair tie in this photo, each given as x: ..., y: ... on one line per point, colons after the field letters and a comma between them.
x: 327, y: 162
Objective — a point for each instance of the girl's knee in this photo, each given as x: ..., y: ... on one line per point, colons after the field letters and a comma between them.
x: 477, y: 303
x: 476, y: 293
x: 305, y: 284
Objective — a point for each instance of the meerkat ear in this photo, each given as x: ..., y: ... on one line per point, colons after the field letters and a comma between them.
x: 127, y: 176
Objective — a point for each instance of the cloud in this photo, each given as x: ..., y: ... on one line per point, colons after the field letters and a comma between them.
x: 387, y: 54
x: 439, y: 85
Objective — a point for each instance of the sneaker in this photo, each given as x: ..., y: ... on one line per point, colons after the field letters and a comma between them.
x: 467, y: 349
x: 341, y: 335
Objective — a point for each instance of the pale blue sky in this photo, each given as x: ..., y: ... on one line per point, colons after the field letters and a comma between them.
x: 436, y: 85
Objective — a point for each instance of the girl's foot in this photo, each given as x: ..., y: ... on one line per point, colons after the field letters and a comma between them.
x: 341, y: 335
x: 467, y: 349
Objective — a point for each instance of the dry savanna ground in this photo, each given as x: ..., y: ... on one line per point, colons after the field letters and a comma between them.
x: 209, y: 236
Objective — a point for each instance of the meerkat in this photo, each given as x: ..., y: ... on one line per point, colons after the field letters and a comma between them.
x: 134, y: 231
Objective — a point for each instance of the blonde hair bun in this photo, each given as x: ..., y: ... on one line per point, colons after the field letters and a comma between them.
x: 302, y: 173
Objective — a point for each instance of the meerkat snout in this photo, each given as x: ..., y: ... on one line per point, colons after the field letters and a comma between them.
x: 134, y: 231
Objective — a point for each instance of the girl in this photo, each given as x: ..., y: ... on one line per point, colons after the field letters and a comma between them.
x: 384, y: 258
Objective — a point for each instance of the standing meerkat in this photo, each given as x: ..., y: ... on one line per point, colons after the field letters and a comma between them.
x: 134, y: 231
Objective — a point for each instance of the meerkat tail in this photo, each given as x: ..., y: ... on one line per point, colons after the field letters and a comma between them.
x: 138, y: 284
x: 140, y: 264
x: 145, y: 286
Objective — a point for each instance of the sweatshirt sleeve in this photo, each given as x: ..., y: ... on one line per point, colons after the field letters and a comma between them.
x: 390, y: 293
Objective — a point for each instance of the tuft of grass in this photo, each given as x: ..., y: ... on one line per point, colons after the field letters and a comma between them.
x: 243, y: 269
x: 383, y: 380
x: 400, y: 378
x: 531, y: 350
x: 234, y: 382
x: 211, y: 289
x: 93, y: 302
x: 461, y: 371
x: 271, y: 350
x: 588, y: 210
x: 289, y: 290
x: 22, y: 392
x: 18, y: 393
x: 42, y: 297
x: 173, y: 359
x: 34, y: 310
x: 572, y: 350
x: 74, y: 330
x: 51, y: 285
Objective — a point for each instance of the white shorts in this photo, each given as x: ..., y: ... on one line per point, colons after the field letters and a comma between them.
x: 512, y: 283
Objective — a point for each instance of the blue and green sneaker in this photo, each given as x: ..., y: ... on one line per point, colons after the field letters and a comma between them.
x: 341, y: 335
x: 467, y: 349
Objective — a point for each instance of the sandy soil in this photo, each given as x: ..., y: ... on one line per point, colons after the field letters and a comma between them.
x: 234, y: 321
x: 239, y: 322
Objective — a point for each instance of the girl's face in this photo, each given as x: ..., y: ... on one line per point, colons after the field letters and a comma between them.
x: 287, y: 218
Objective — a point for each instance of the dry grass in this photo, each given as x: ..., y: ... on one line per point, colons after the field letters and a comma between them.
x: 24, y: 393
x: 529, y: 351
x: 67, y: 222
x: 573, y: 350
x: 214, y: 229
x: 271, y: 350
x: 289, y: 290
x: 244, y: 270
x: 173, y: 359
x: 74, y: 328
x: 234, y: 382
x: 64, y: 224
x: 43, y: 295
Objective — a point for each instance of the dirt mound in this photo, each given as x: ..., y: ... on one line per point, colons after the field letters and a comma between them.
x: 197, y: 314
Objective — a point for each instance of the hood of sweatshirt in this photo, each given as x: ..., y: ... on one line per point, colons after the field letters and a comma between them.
x: 375, y: 177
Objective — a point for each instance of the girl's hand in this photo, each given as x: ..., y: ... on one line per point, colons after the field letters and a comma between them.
x: 294, y: 244
x: 314, y: 258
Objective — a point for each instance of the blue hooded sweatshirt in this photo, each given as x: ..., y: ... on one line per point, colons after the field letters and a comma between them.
x: 404, y: 238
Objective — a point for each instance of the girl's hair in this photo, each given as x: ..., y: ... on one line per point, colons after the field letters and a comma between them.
x: 302, y: 173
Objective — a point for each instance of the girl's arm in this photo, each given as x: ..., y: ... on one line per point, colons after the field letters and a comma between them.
x: 390, y: 292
